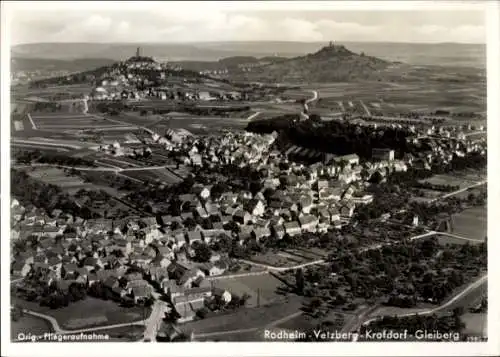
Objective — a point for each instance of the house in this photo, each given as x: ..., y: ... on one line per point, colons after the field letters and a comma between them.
x: 331, y: 194
x: 21, y: 268
x: 187, y: 279
x: 210, y: 269
x: 383, y: 154
x: 111, y: 282
x: 158, y: 274
x: 261, y: 232
x: 256, y: 207
x: 334, y: 214
x: 351, y: 159
x: 68, y: 269
x: 347, y: 210
x: 308, y: 223
x: 222, y: 295
x: 91, y: 263
x: 141, y: 293
x: 194, y: 236
x: 292, y: 228
x: 241, y: 216
x: 305, y: 204
x: 278, y: 231
x: 201, y: 191
x: 365, y: 199
x: 171, y: 289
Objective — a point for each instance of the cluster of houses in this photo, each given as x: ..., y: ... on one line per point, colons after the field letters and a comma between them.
x: 69, y: 249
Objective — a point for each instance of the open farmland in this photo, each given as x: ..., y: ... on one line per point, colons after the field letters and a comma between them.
x: 278, y: 259
x: 29, y: 325
x: 68, y: 183
x: 391, y: 98
x: 245, y: 318
x: 265, y: 285
x: 75, y: 89
x: 157, y: 175
x: 449, y: 179
x: 87, y: 313
x: 471, y: 223
x: 70, y: 122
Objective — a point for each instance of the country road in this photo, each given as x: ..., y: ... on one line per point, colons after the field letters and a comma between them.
x: 253, y: 116
x: 477, y: 184
x: 315, y: 97
x: 33, y: 126
x: 367, y: 111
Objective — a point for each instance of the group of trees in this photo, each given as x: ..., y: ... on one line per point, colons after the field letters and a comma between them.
x: 53, y: 295
x: 36, y: 156
x: 32, y: 192
x: 216, y: 111
x: 348, y: 138
x: 401, y: 274
x: 47, y: 107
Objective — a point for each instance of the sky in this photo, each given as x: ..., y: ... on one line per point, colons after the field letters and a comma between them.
x: 201, y: 22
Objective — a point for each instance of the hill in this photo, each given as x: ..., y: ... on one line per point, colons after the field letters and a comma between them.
x: 47, y: 64
x: 333, y: 63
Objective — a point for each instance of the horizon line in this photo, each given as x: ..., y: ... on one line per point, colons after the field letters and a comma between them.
x: 245, y: 41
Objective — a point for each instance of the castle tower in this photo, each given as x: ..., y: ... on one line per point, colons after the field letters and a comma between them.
x: 138, y: 52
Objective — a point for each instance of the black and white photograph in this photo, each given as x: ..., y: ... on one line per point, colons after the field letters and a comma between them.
x: 253, y: 172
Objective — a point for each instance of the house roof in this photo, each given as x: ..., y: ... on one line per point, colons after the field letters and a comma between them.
x: 306, y: 219
x: 141, y: 291
x: 291, y: 225
x: 71, y: 267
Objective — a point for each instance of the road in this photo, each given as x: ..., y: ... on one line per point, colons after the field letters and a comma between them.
x: 354, y: 323
x: 282, y: 269
x: 459, y: 237
x: 154, y: 320
x: 33, y: 126
x: 253, y: 116
x: 367, y: 111
x: 477, y: 184
x: 315, y: 97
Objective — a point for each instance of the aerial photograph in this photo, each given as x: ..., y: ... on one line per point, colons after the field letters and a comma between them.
x: 210, y: 173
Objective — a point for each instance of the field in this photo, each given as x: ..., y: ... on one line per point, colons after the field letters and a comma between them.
x: 265, y: 285
x: 244, y: 318
x: 443, y: 239
x: 87, y: 313
x: 280, y: 259
x: 471, y: 223
x: 28, y: 325
x: 390, y: 98
x: 450, y: 179
x: 60, y: 121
